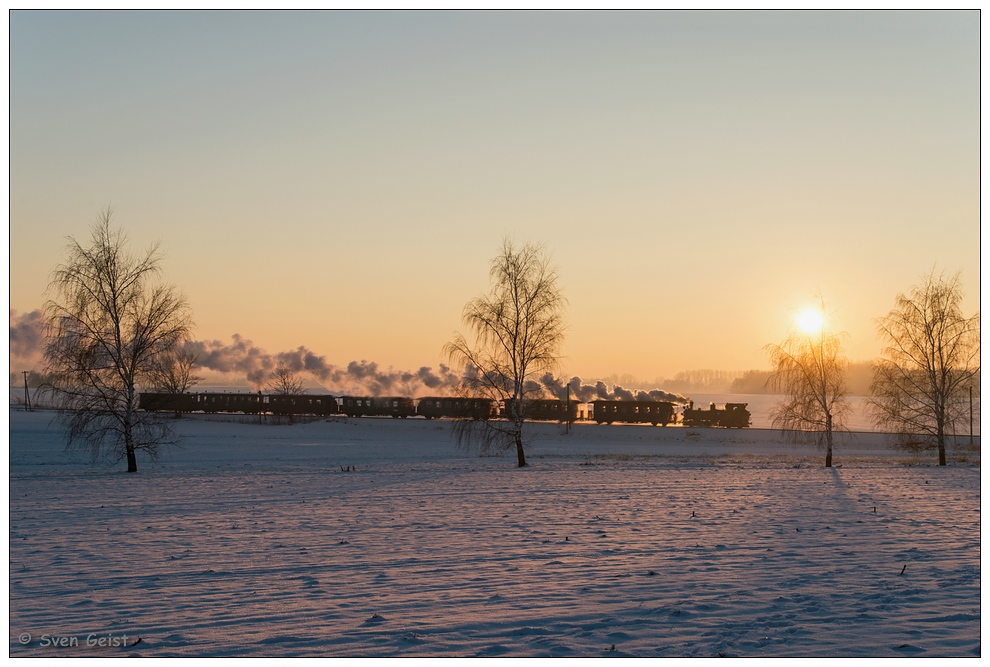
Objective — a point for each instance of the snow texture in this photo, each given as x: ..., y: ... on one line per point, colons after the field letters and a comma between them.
x: 378, y: 537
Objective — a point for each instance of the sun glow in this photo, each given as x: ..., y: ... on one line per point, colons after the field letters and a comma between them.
x: 810, y: 320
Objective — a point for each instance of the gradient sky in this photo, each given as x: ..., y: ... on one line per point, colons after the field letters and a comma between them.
x: 342, y: 180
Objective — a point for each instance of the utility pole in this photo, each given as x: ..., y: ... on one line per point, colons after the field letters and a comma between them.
x: 567, y: 428
x: 27, y: 396
x: 971, y: 415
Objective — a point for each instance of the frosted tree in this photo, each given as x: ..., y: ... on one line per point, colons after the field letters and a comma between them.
x: 517, y: 330
x: 109, y: 321
x: 284, y: 382
x: 929, y: 362
x: 809, y: 370
x: 172, y: 371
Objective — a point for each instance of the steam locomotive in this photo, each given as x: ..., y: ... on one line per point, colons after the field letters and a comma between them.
x: 734, y: 415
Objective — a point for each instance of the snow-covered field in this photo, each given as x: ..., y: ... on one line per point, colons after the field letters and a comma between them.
x: 379, y: 538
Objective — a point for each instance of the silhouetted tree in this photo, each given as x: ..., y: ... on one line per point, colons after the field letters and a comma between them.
x: 517, y: 332
x: 108, y: 322
x: 809, y: 369
x: 285, y: 382
x: 285, y: 385
x: 172, y: 370
x: 930, y: 358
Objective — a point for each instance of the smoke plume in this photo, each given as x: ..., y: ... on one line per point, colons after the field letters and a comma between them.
x: 27, y: 339
x: 242, y: 358
x: 581, y: 392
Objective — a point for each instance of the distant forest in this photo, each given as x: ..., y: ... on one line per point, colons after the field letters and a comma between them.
x: 859, y: 376
x: 707, y: 381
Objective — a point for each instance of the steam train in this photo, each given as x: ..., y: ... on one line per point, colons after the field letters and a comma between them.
x: 734, y: 415
x: 634, y: 412
x: 399, y: 407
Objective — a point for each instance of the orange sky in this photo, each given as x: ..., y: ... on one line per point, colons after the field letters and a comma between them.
x: 340, y: 181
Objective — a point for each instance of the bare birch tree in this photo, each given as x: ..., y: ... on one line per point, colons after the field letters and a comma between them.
x: 172, y: 371
x: 284, y: 382
x: 108, y: 320
x: 809, y: 369
x: 930, y: 359
x: 517, y: 332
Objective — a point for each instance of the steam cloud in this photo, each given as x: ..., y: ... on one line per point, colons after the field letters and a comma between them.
x: 27, y: 338
x: 599, y: 391
x: 242, y: 358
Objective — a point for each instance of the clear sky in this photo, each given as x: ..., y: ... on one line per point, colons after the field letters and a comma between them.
x: 341, y: 180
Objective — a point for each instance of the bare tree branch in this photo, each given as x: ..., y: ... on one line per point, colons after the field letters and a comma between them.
x: 171, y: 371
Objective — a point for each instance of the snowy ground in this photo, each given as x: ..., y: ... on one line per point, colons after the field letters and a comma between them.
x: 256, y: 540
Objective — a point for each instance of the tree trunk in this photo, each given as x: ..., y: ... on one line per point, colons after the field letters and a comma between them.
x: 129, y: 448
x: 828, y: 441
x: 519, y: 450
x: 940, y: 438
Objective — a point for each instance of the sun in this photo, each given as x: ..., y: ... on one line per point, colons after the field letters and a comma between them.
x: 810, y: 320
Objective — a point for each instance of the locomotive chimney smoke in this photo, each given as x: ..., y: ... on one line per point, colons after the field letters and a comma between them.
x: 579, y: 392
x: 303, y: 360
x: 532, y: 388
x: 582, y: 392
x: 27, y: 338
x: 620, y: 394
x: 553, y: 386
x: 661, y: 395
x: 243, y: 358
x: 585, y: 392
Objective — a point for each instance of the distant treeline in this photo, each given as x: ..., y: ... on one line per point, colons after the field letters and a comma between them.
x: 709, y: 381
x: 702, y: 380
x: 35, y: 380
x: 859, y: 376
